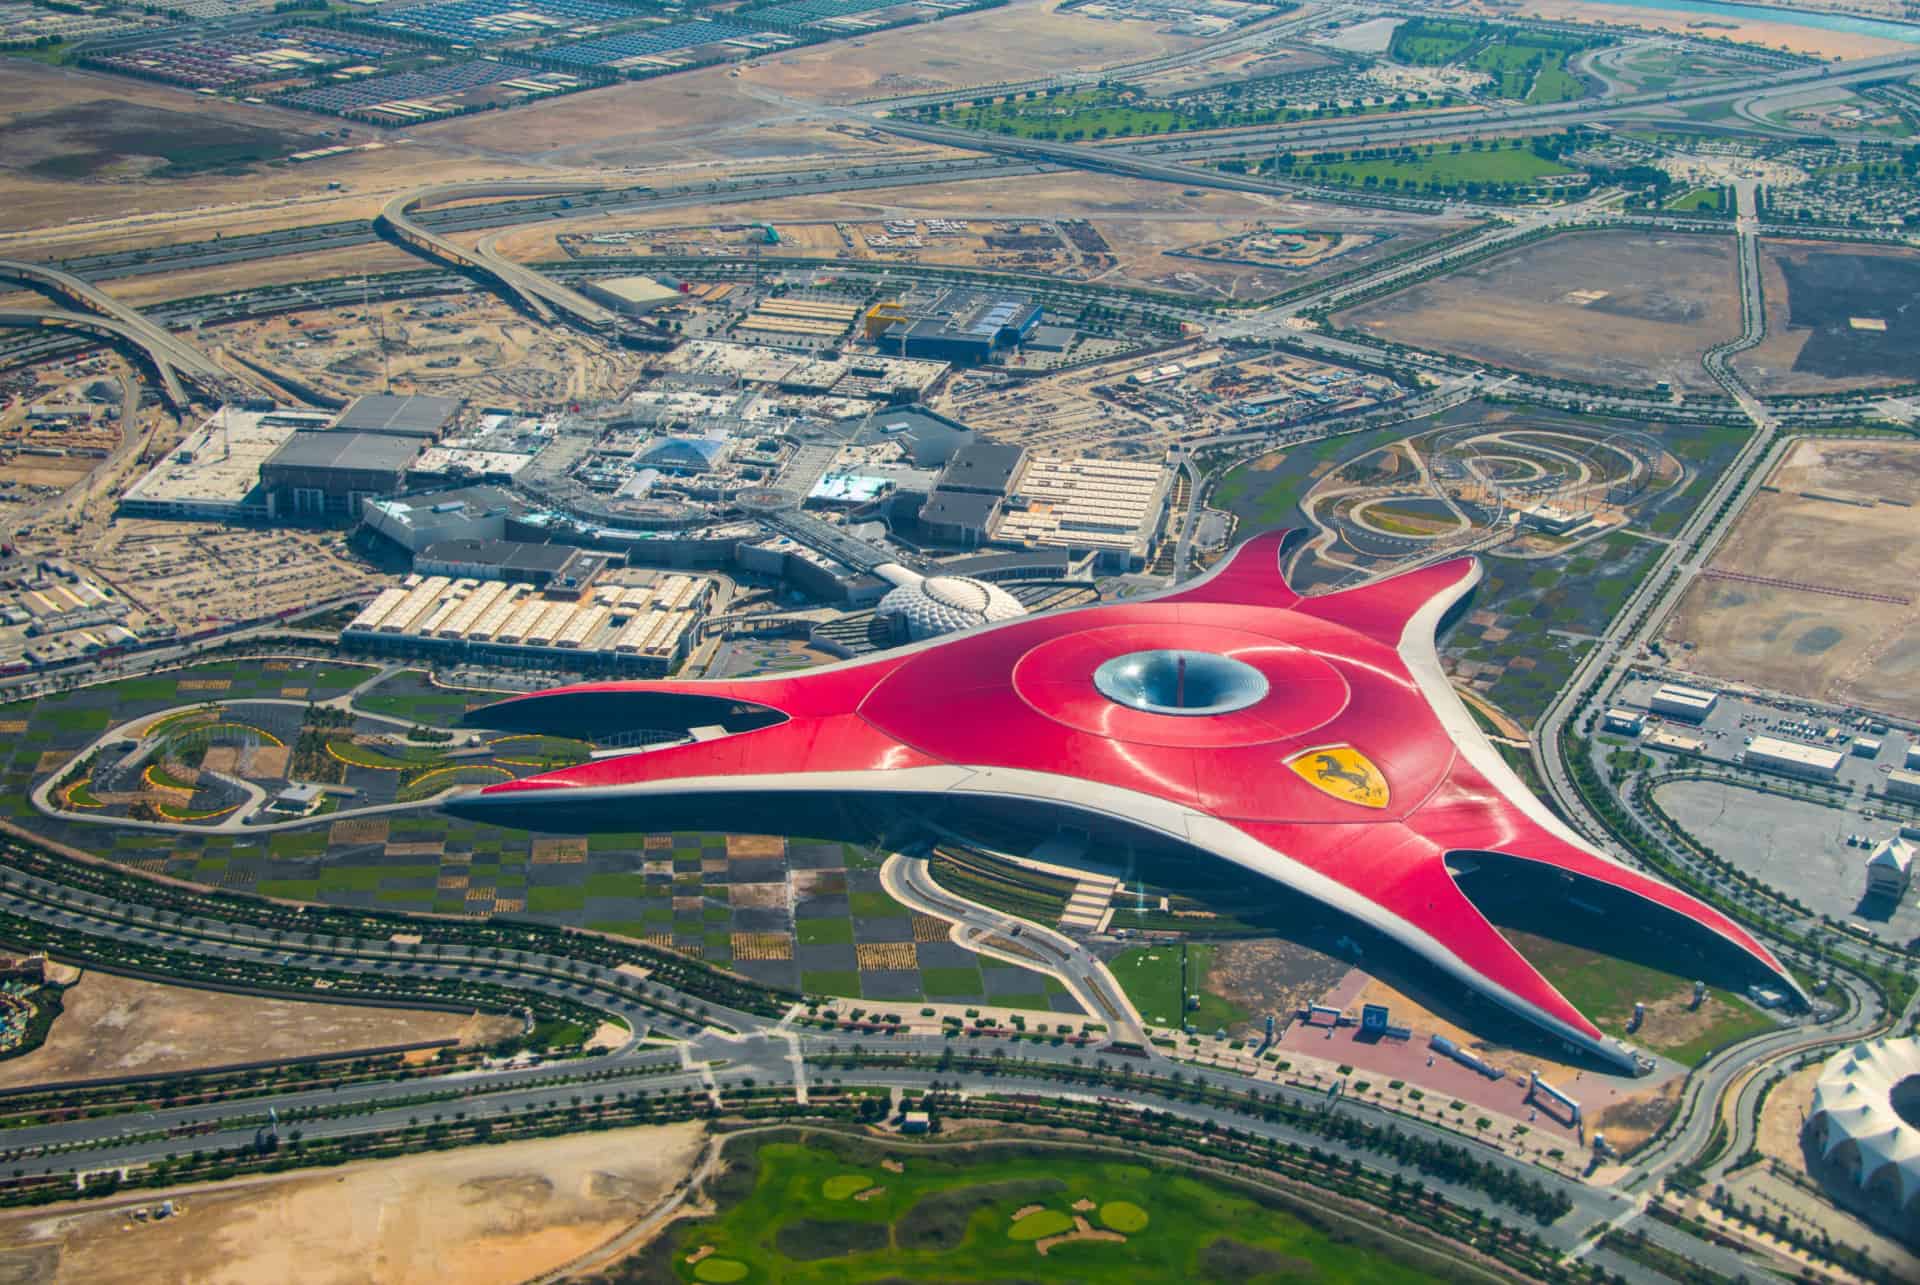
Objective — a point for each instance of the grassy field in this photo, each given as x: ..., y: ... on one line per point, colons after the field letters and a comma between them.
x: 1704, y: 199
x: 1605, y: 988
x: 828, y: 1210
x: 1270, y: 496
x: 1526, y: 66
x: 1120, y: 113
x: 1150, y: 975
x: 1434, y: 167
x: 411, y: 695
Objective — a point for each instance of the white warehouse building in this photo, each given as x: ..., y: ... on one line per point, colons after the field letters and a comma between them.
x: 1689, y: 703
x: 1794, y: 759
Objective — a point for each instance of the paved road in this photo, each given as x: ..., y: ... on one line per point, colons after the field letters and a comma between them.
x: 544, y: 295
x: 906, y: 879
x: 1641, y: 616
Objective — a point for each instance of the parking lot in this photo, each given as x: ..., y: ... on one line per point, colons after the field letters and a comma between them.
x: 1798, y: 845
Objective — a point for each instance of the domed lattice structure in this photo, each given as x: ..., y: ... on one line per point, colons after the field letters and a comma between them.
x: 946, y: 604
x: 1863, y: 1108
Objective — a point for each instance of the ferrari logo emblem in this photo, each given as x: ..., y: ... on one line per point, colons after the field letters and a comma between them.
x: 1343, y: 772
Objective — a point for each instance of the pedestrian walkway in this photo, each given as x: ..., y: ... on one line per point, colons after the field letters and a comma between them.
x: 1090, y: 906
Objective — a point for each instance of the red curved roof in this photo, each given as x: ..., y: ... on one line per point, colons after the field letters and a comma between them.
x: 1020, y: 695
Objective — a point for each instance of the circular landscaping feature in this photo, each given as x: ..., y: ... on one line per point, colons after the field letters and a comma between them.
x: 1035, y: 1226
x: 1123, y: 1215
x: 720, y: 1270
x: 843, y: 1186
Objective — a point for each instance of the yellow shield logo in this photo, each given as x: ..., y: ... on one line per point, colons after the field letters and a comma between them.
x: 1343, y: 772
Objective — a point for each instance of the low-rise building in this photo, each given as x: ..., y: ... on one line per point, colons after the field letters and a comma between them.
x: 959, y: 518
x: 645, y: 629
x: 1109, y: 508
x: 416, y: 521
x: 411, y: 415
x: 1813, y: 762
x: 1675, y: 743
x: 536, y: 564
x: 1903, y: 784
x: 633, y: 296
x: 1625, y: 721
x: 318, y: 476
x: 215, y: 473
x: 1890, y: 868
x: 1690, y: 703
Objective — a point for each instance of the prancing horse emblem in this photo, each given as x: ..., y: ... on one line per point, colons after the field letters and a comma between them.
x: 1343, y: 772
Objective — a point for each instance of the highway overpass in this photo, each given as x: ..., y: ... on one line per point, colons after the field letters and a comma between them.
x: 173, y: 358
x: 544, y: 296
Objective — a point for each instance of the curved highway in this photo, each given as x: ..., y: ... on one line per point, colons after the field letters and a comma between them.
x: 171, y: 355
x: 542, y: 294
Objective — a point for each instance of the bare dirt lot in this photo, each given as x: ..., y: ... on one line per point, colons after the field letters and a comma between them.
x: 1838, y: 318
x: 480, y: 1216
x: 119, y: 1026
x: 1024, y: 39
x: 194, y: 573
x: 1611, y: 307
x: 1835, y: 514
x: 1272, y: 975
x: 108, y: 137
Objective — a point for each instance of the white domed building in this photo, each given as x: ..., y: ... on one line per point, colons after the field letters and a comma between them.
x: 919, y: 608
x: 1862, y: 1119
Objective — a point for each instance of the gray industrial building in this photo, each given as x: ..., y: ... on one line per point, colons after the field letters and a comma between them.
x: 965, y: 327
x: 960, y: 518
x: 633, y: 296
x: 984, y: 468
x: 317, y: 476
x: 536, y: 564
x: 414, y: 415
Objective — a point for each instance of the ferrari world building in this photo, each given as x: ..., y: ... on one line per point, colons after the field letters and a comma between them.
x: 1313, y: 742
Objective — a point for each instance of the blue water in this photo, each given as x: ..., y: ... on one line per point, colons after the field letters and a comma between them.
x: 1761, y: 13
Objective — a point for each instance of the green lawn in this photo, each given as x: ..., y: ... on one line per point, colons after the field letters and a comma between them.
x: 787, y: 1215
x: 391, y: 758
x: 1150, y: 975
x: 410, y: 695
x: 1605, y: 988
x: 1526, y: 65
x: 825, y: 932
x: 952, y: 983
x: 613, y: 884
x: 369, y: 878
x: 876, y: 905
x: 1699, y: 199
x: 1092, y: 114
x: 843, y: 982
x: 1433, y: 166
x: 563, y: 897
